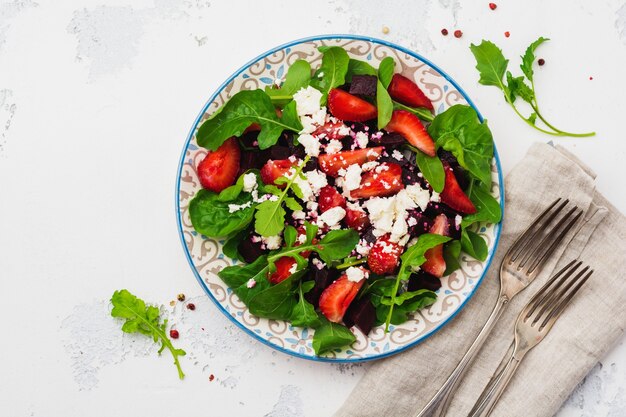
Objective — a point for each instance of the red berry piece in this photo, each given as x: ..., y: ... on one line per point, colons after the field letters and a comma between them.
x: 493, y: 6
x: 411, y: 128
x: 345, y: 106
x: 357, y: 219
x: 219, y: 168
x: 191, y: 306
x: 458, y: 33
x: 329, y: 198
x: 331, y: 163
x: 541, y: 61
x: 384, y: 180
x: 453, y: 195
x: 331, y: 130
x: 384, y: 256
x: 335, y: 299
x: 285, y: 266
x: 407, y: 92
x: 174, y: 334
x: 507, y: 34
x: 444, y: 32
x: 435, y: 263
x: 272, y: 170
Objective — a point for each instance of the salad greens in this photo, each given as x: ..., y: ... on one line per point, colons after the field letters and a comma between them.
x: 329, y: 336
x: 143, y: 319
x: 211, y: 216
x: 332, y: 72
x: 492, y: 67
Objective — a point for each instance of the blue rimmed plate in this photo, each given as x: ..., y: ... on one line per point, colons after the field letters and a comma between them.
x: 205, y: 255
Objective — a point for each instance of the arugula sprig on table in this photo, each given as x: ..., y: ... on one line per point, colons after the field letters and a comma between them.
x: 492, y: 67
x: 146, y: 320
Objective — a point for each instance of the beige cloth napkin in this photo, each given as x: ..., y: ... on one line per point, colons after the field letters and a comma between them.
x: 591, y: 325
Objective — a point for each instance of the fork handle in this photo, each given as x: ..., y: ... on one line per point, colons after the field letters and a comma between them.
x: 493, y: 391
x: 438, y: 405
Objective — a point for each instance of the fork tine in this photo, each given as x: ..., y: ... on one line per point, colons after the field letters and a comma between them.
x: 556, y: 312
x: 557, y: 295
x: 538, y: 257
x: 521, y: 242
x: 545, y: 291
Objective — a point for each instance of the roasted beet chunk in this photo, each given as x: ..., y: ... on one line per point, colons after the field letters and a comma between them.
x: 253, y: 160
x: 448, y: 157
x: 422, y: 280
x: 249, y: 139
x: 363, y: 85
x: 390, y: 140
x: 369, y: 236
x: 361, y: 314
x: 249, y: 250
x: 279, y: 152
x: 322, y: 277
x: 434, y: 209
x: 419, y: 223
x: 311, y: 165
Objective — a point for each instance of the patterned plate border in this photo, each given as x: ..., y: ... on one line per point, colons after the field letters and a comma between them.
x: 268, y: 338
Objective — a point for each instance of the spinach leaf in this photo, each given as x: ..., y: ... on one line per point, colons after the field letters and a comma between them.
x: 529, y: 58
x: 231, y: 245
x: 357, y: 67
x: 212, y: 217
x: 276, y: 301
x: 290, y: 115
x: 403, y: 305
x: 421, y: 112
x: 474, y: 245
x: 487, y: 207
x: 238, y: 275
x: 384, y: 105
x: 243, y: 109
x: 432, y: 169
x: 330, y: 336
x: 332, y: 72
x: 451, y: 254
x: 385, y: 71
x: 298, y: 76
x: 459, y: 131
x: 303, y: 313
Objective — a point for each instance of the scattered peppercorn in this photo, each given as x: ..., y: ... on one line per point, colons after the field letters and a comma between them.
x: 458, y: 33
x: 385, y: 30
x: 541, y: 61
x: 590, y: 78
x: 174, y: 334
x: 172, y: 303
x: 191, y: 306
x: 507, y: 34
x: 444, y: 32
x: 211, y: 377
x: 181, y: 297
x: 493, y: 6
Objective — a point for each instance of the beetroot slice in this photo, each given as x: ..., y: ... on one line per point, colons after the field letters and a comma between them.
x: 422, y: 280
x: 363, y: 85
x: 362, y: 314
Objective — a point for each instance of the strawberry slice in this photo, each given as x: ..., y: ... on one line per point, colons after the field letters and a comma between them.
x: 274, y: 169
x: 219, y: 168
x: 453, y: 195
x: 329, y: 197
x: 345, y: 106
x: 407, y: 92
x: 285, y: 266
x: 335, y: 299
x: 384, y: 180
x: 435, y: 263
x: 356, y: 219
x: 410, y: 126
x: 384, y: 256
x: 331, y: 164
x: 331, y: 130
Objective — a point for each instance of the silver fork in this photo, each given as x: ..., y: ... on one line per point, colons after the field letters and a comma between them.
x: 533, y: 324
x: 521, y: 264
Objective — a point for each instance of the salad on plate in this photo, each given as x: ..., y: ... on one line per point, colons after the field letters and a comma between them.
x: 343, y: 197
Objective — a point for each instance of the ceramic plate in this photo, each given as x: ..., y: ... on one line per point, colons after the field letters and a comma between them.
x: 205, y: 255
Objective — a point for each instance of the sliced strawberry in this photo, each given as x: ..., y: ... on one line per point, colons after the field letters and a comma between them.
x: 410, y: 126
x: 453, y: 195
x: 435, y: 263
x: 384, y: 180
x: 329, y: 197
x: 335, y: 299
x: 274, y: 169
x: 219, y: 168
x: 384, y: 256
x: 331, y: 164
x: 285, y: 266
x: 407, y: 92
x: 331, y: 130
x: 356, y: 219
x: 345, y: 106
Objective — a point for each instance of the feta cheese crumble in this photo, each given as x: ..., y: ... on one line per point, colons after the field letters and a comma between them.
x: 307, y: 100
x: 333, y: 216
x: 333, y: 146
x: 352, y: 179
x: 236, y: 207
x: 251, y: 283
x: 361, y: 139
x: 272, y: 242
x: 249, y: 182
x: 355, y: 274
x: 311, y: 144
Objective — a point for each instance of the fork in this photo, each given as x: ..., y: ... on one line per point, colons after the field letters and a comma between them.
x: 532, y: 326
x: 520, y: 266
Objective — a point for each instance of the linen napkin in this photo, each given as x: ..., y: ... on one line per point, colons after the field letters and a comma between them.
x: 592, y: 323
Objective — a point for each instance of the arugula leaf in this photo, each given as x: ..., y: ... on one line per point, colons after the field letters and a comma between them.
x: 384, y: 105
x: 236, y: 276
x: 474, y: 245
x: 518, y: 88
x: 529, y: 58
x: 403, y: 305
x: 459, y: 131
x: 487, y: 207
x: 276, y: 301
x: 330, y: 336
x: 145, y: 320
x: 357, y: 67
x: 451, y: 254
x: 237, y: 114
x: 490, y: 64
x: 385, y: 71
x: 298, y: 76
x: 421, y: 112
x: 432, y: 169
x: 332, y: 72
x: 212, y: 218
x: 290, y: 115
x: 303, y: 313
x: 270, y: 214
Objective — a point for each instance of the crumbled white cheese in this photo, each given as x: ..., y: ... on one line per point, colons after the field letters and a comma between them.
x: 305, y: 187
x: 311, y: 205
x: 412, y: 221
x: 435, y: 197
x: 272, y: 242
x: 251, y: 283
x: 302, y: 238
x: 381, y: 211
x: 457, y: 221
x: 363, y: 247
x: 355, y: 274
x: 333, y: 146
x: 368, y: 166
x: 397, y: 155
x: 249, y: 182
x: 318, y: 264
x: 420, y: 196
x: 344, y: 130
x: 307, y: 100
x: 298, y: 215
x: 352, y: 178
x: 333, y: 216
x: 399, y: 229
x: 236, y: 207
x: 361, y: 139
x: 317, y: 180
x: 293, y: 268
x: 311, y: 144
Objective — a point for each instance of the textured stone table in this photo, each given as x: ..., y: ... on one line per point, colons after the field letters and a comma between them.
x: 95, y: 102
